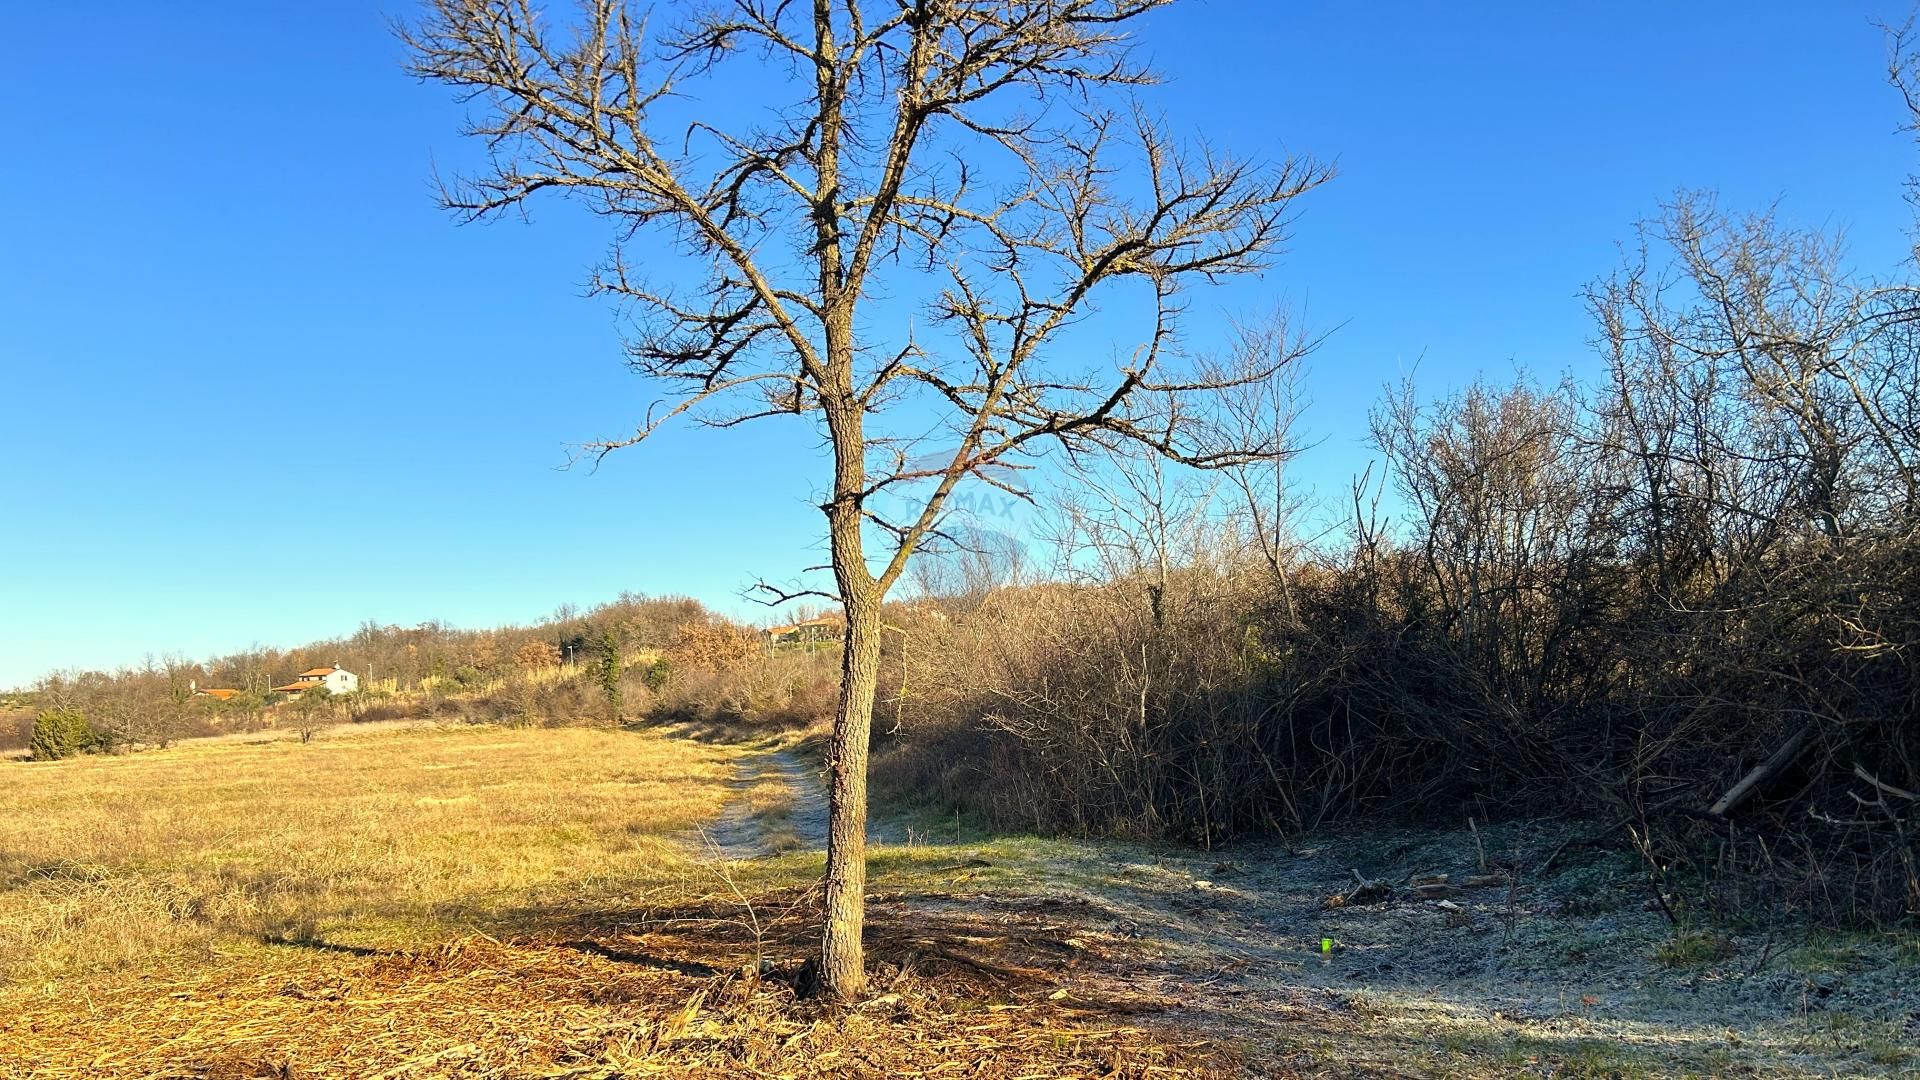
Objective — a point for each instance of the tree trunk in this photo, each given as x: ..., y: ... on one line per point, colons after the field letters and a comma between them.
x: 843, y: 971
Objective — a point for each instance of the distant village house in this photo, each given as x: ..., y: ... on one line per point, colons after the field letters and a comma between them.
x: 826, y: 628
x: 335, y: 680
x: 217, y: 693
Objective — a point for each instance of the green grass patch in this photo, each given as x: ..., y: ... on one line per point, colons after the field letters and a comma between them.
x: 1694, y: 948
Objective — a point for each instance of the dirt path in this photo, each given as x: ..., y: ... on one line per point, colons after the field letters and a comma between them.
x: 779, y: 805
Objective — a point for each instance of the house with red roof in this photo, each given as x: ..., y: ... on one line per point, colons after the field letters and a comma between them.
x: 336, y: 680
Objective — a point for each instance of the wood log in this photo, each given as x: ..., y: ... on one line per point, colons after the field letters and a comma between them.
x: 1759, y: 774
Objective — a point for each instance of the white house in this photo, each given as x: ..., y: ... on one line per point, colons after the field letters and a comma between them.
x: 336, y: 680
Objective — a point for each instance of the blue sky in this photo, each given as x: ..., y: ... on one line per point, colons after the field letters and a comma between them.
x: 225, y: 286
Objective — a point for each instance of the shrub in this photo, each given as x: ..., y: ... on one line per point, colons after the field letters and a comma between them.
x: 777, y: 691
x: 60, y: 733
x: 715, y: 645
x: 312, y: 711
x: 537, y: 656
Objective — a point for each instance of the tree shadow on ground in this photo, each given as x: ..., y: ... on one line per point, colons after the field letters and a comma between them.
x: 318, y: 944
x: 998, y: 952
x: 722, y: 728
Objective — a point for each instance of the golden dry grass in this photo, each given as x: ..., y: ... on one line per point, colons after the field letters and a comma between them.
x: 118, y: 860
x: 478, y: 903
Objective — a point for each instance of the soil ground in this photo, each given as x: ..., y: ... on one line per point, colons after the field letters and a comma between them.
x: 778, y: 804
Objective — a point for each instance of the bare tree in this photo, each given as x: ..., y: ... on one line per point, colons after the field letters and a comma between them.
x: 985, y: 154
x: 1267, y: 411
x: 312, y: 711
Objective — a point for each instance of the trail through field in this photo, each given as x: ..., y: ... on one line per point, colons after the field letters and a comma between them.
x: 778, y: 804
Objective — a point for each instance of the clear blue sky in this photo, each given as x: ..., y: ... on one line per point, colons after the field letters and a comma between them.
x: 225, y: 287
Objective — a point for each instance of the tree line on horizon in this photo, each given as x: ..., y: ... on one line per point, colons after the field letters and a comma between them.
x: 156, y: 703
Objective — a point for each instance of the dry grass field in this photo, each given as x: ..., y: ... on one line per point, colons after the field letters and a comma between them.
x: 184, y: 856
x: 477, y: 902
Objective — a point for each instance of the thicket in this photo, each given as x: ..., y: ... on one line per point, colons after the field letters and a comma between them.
x: 1679, y: 600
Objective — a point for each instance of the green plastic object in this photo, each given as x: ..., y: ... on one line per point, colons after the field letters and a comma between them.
x: 1326, y: 944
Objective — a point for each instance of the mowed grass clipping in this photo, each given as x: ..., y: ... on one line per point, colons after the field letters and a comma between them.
x: 142, y: 861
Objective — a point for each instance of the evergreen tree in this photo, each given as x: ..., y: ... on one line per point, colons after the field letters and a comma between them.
x: 59, y: 733
x: 610, y: 673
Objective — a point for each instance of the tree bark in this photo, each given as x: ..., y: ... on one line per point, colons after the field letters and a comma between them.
x: 843, y: 972
x: 842, y: 958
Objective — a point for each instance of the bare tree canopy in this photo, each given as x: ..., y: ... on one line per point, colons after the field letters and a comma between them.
x: 986, y: 157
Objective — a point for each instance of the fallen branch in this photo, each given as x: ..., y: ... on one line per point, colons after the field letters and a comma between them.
x: 1886, y: 788
x: 1759, y: 774
x: 1364, y: 892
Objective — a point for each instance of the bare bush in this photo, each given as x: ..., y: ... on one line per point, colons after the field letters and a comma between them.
x: 714, y: 645
x: 754, y: 691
